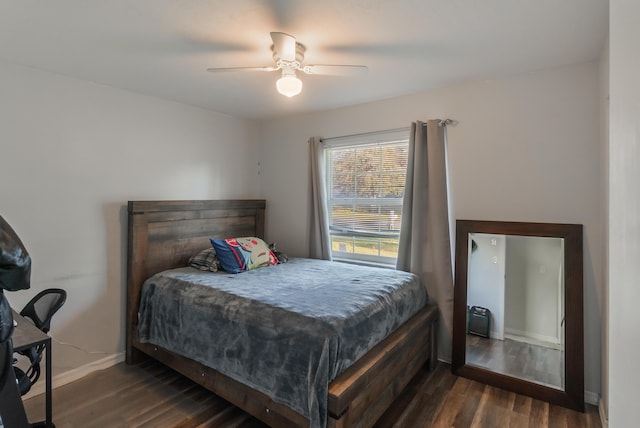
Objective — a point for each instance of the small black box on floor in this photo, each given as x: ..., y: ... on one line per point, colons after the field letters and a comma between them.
x: 479, y: 320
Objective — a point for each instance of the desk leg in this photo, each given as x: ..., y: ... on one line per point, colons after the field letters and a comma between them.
x: 12, y: 411
x: 48, y: 392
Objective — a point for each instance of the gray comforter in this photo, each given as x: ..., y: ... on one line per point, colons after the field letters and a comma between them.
x: 285, y: 330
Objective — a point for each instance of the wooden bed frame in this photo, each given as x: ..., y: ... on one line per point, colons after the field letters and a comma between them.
x: 164, y: 234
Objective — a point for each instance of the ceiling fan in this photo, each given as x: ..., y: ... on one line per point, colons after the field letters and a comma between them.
x: 288, y: 55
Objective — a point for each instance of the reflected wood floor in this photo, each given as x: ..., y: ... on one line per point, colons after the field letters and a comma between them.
x: 519, y: 359
x: 151, y: 395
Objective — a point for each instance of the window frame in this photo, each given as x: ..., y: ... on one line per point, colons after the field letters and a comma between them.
x: 360, y: 141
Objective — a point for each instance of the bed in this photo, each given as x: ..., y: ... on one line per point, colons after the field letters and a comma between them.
x: 164, y: 234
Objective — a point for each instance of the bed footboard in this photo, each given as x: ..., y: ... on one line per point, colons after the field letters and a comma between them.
x: 362, y: 393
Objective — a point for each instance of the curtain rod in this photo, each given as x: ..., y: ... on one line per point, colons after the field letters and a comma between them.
x: 442, y: 122
x: 362, y: 134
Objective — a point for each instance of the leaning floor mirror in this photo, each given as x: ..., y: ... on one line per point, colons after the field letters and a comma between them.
x: 518, y: 308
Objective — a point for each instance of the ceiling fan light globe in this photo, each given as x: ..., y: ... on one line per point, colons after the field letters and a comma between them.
x: 289, y: 86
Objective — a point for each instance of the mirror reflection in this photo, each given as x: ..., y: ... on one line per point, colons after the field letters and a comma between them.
x: 515, y: 306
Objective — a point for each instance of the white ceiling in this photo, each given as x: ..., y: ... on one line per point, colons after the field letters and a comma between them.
x: 162, y: 48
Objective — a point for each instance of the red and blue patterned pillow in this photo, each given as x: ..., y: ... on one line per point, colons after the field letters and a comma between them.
x: 241, y: 254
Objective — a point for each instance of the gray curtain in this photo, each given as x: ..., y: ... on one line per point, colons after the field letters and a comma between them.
x: 319, y: 239
x: 425, y: 247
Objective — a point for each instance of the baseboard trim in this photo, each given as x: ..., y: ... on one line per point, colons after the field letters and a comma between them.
x: 532, y: 339
x: 75, y: 374
x: 602, y: 410
x: 591, y: 398
x: 530, y: 335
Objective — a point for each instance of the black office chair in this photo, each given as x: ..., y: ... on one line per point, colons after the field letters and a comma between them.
x: 39, y: 310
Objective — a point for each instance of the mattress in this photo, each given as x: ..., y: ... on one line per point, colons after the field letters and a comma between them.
x: 285, y: 330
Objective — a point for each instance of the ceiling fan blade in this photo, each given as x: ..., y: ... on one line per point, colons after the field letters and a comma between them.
x: 284, y: 45
x: 336, y: 70
x: 222, y: 69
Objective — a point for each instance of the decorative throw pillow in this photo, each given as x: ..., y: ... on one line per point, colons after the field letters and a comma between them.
x: 205, y: 260
x: 241, y: 254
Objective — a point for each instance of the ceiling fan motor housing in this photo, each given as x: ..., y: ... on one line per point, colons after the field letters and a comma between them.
x: 300, y: 49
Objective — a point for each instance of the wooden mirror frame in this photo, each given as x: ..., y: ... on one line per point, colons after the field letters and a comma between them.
x: 573, y: 394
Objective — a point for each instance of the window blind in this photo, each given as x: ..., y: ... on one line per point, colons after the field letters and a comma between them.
x: 365, y: 184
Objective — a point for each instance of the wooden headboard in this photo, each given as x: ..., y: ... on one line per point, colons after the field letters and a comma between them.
x: 164, y: 234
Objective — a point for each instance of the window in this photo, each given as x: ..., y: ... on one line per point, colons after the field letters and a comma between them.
x: 365, y: 185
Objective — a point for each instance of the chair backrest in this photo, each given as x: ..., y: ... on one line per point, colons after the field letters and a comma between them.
x: 43, y: 306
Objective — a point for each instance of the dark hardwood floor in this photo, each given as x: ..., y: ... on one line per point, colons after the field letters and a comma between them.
x: 150, y: 395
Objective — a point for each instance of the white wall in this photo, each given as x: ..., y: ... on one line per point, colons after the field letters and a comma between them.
x: 486, y: 278
x: 526, y: 148
x: 71, y: 154
x: 533, y: 284
x: 604, y: 295
x: 624, y: 214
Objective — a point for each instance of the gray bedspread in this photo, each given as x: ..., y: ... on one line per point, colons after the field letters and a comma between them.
x: 285, y: 330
